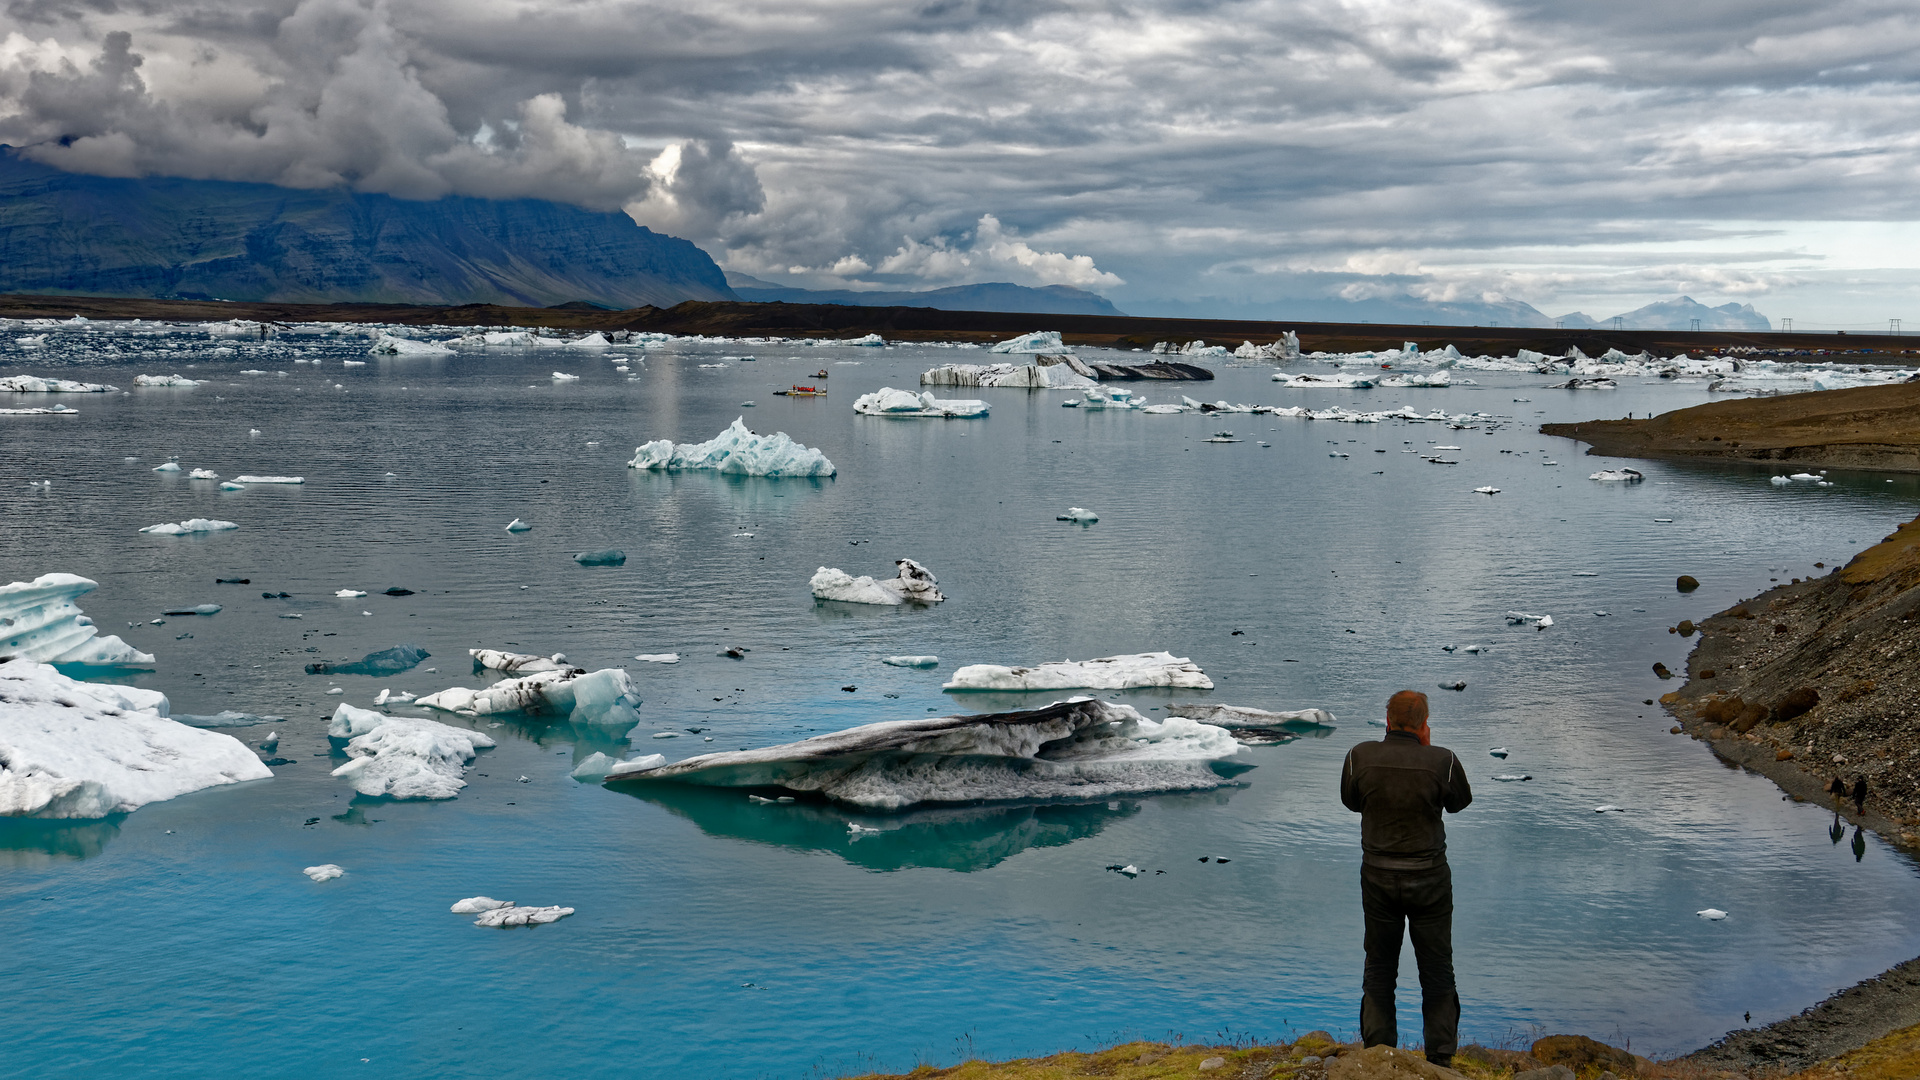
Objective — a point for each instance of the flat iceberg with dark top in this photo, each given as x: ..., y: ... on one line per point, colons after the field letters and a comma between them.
x: 71, y: 749
x: 736, y: 451
x: 1103, y: 673
x: 1081, y: 748
x: 40, y: 621
x: 914, y: 585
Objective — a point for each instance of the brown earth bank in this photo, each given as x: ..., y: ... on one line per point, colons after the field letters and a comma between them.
x: 1318, y: 1056
x: 741, y: 319
x: 1866, y: 427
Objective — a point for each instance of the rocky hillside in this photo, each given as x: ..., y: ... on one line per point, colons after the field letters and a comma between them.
x: 1816, y: 680
x: 1867, y: 427
x: 201, y: 239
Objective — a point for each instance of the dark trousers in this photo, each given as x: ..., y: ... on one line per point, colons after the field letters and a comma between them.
x: 1397, y: 902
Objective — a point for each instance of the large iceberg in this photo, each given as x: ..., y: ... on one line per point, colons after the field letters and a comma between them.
x: 601, y: 697
x: 71, y: 749
x: 736, y: 450
x: 40, y: 621
x: 915, y: 585
x: 887, y: 401
x: 1076, y: 749
x: 1039, y: 341
x: 31, y: 384
x: 404, y: 757
x: 1046, y: 373
x: 1104, y: 673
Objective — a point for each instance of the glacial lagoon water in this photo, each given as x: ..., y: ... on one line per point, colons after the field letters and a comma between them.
x: 719, y: 937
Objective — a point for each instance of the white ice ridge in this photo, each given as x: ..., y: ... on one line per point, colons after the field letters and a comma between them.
x: 601, y: 697
x: 403, y: 756
x: 29, y: 384
x: 1105, y: 673
x: 1240, y: 716
x: 736, y: 450
x: 1046, y: 373
x: 71, y: 749
x: 1039, y: 341
x: 887, y: 401
x: 191, y: 525
x: 389, y: 345
x: 515, y: 663
x: 162, y: 380
x: 250, y: 479
x: 1076, y: 749
x: 914, y: 585
x: 40, y: 621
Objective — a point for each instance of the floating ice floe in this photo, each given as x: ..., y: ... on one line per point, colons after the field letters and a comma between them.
x: 1805, y: 476
x: 403, y: 757
x: 29, y: 384
x: 167, y: 466
x: 1508, y: 778
x: 1780, y: 481
x: 1125, y: 672
x: 87, y: 750
x: 203, y: 474
x: 163, y: 380
x: 1323, y: 382
x: 1061, y: 372
x: 514, y: 915
x: 389, y: 345
x: 1257, y: 726
x: 659, y: 657
x: 887, y: 401
x: 561, y: 376
x: 1430, y: 379
x: 1499, y: 752
x: 1109, y: 399
x: 1039, y: 341
x: 228, y: 718
x: 1619, y: 476
x: 911, y: 661
x: 40, y: 621
x: 385, y: 662
x: 1712, y: 914
x: 1488, y: 490
x: 600, y: 697
x: 596, y: 766
x: 738, y: 451
x: 1609, y: 808
x: 323, y: 872
x: 1586, y: 384
x: 1521, y: 618
x: 349, y: 593
x: 49, y: 410
x: 603, y: 557
x: 516, y: 525
x: 250, y: 479
x: 1076, y: 749
x: 515, y: 663
x: 228, y: 485
x: 1079, y: 514
x: 915, y: 584
x: 191, y: 525
x: 197, y: 609
x: 393, y: 697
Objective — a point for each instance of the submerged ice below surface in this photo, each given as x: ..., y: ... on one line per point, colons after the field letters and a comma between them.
x: 1075, y: 749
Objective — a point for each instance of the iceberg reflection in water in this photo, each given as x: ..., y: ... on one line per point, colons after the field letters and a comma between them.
x: 963, y: 838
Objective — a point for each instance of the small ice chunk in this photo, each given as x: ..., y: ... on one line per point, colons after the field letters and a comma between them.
x: 1079, y: 514
x: 640, y: 764
x: 1488, y: 490
x: 385, y: 662
x: 1522, y: 618
x: 163, y: 380
x: 228, y: 485
x: 600, y: 697
x: 1712, y: 914
x: 403, y: 757
x: 561, y: 376
x: 1609, y: 808
x: 666, y: 734
x: 911, y: 661
x: 323, y: 872
x: 171, y: 466
x: 191, y: 525
x: 915, y: 584
x: 229, y: 718
x: 515, y: 663
x: 397, y: 697
x: 1130, y: 870
x: 659, y: 657
x: 1779, y: 481
x: 516, y: 525
x: 1619, y: 476
x: 1507, y: 778
x: 737, y: 451
x: 350, y: 593
x: 604, y: 557
x: 473, y: 905
x: 203, y: 474
x: 594, y: 766
x: 250, y: 479
x: 521, y: 916
x: 1498, y: 751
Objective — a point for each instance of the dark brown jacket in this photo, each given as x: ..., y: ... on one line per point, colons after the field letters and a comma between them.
x: 1398, y: 787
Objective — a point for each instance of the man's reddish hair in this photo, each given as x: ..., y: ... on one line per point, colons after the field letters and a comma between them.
x: 1407, y: 711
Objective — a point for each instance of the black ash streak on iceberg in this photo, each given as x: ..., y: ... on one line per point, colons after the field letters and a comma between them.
x: 1075, y: 749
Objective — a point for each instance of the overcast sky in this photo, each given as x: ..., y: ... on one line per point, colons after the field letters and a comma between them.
x: 1571, y: 154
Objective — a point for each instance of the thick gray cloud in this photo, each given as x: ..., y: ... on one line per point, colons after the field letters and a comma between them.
x: 1222, y: 152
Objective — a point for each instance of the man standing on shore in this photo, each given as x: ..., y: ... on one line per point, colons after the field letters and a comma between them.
x: 1399, y: 786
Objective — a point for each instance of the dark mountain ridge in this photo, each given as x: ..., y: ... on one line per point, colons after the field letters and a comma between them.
x: 210, y: 239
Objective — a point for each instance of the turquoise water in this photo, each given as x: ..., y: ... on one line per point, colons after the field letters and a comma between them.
x: 714, y: 937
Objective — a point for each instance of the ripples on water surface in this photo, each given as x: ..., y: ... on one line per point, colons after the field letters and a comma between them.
x: 717, y: 937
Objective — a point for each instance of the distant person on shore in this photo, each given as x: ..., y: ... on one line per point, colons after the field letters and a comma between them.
x: 1399, y: 786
